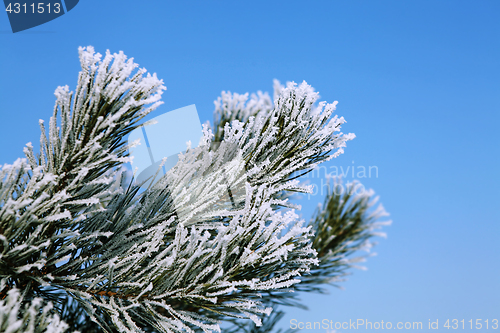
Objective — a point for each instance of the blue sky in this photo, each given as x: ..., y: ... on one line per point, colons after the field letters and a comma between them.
x: 417, y: 81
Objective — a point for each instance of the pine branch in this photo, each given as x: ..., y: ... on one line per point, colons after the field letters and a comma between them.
x: 268, y: 325
x: 344, y: 225
x: 43, y: 200
x: 184, y: 254
x: 19, y: 315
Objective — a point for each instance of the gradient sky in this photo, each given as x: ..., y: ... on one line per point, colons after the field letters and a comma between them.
x: 417, y: 81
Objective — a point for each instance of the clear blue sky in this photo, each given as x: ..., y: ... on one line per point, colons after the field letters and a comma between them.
x: 417, y: 81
